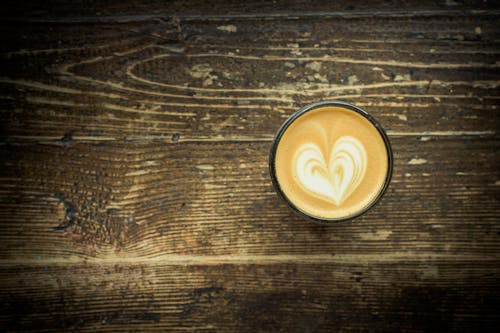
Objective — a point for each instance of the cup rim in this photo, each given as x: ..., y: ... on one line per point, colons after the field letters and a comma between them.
x: 299, y: 113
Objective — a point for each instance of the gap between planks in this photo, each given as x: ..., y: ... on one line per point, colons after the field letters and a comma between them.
x: 288, y: 15
x: 56, y: 140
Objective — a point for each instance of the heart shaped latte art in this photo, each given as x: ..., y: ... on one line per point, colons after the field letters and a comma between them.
x: 337, y: 180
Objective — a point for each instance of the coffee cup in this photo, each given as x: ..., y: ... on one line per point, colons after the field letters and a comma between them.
x: 331, y: 161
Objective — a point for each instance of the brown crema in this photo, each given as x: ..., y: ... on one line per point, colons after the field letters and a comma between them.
x: 331, y: 162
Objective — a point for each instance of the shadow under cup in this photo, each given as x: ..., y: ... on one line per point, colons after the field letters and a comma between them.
x: 323, y: 160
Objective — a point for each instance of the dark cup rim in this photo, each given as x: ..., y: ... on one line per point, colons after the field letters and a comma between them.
x: 299, y: 113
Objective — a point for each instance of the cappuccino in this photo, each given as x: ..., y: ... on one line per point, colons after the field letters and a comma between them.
x: 331, y: 161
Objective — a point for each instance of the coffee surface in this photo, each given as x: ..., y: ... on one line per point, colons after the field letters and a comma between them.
x: 331, y: 162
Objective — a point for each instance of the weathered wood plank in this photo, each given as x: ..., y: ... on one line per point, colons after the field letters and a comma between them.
x: 411, y: 295
x: 202, y: 8
x: 143, y: 10
x: 130, y: 82
x: 45, y: 118
x: 149, y: 199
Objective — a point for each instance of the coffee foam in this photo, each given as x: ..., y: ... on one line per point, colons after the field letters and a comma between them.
x: 331, y: 162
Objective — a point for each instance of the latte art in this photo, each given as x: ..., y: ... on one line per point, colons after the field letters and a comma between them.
x: 336, y: 180
x: 331, y: 161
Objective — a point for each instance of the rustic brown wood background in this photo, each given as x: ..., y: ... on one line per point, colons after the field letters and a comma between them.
x: 134, y: 189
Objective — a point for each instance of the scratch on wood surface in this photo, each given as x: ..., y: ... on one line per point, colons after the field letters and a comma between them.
x: 205, y: 167
x: 378, y: 235
x: 227, y: 28
x: 417, y: 161
x: 138, y: 173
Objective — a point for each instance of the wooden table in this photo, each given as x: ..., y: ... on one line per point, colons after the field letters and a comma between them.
x: 135, y: 193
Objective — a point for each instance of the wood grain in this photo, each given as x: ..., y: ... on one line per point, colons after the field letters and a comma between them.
x: 202, y: 82
x: 149, y: 199
x: 384, y: 296
x: 134, y: 186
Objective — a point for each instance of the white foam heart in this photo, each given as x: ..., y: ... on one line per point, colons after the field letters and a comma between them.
x: 338, y: 179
